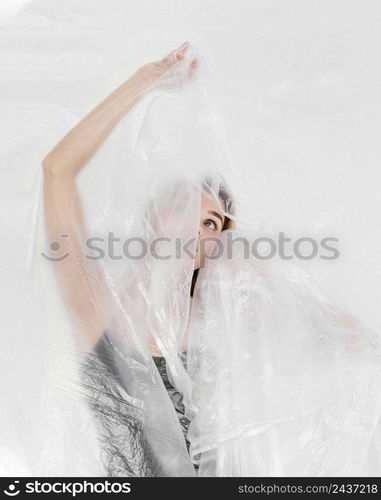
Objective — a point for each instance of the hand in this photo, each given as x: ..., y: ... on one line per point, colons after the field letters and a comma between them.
x: 170, y: 72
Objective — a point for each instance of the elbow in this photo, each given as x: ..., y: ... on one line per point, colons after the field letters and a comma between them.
x: 48, y: 166
x: 52, y: 168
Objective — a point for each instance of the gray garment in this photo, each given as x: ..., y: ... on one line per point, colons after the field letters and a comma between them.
x: 176, y: 397
x: 126, y: 451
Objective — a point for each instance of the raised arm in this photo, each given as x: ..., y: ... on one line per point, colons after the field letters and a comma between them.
x: 83, y: 287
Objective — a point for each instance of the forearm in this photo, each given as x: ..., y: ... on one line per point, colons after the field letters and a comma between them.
x: 81, y: 280
x: 79, y: 145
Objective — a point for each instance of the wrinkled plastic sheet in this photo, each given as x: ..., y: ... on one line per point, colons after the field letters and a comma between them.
x: 282, y: 357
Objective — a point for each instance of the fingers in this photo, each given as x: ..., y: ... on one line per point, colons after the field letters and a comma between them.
x: 180, y: 52
x: 183, y: 46
x: 176, y: 55
x: 192, y: 68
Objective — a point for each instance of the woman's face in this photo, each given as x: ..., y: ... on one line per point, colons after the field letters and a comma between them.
x: 211, y: 224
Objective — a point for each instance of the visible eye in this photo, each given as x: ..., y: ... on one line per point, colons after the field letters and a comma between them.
x: 210, y: 224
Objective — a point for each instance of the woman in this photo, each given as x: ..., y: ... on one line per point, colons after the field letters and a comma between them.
x: 64, y: 216
x: 275, y: 380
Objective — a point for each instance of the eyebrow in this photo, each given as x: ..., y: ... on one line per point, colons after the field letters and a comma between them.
x: 217, y: 215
